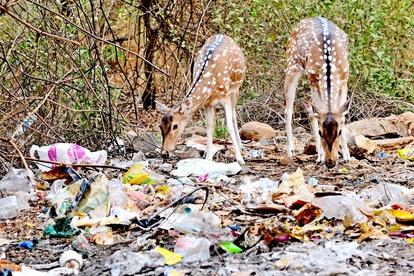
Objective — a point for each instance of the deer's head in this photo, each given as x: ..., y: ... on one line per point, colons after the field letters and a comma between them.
x: 330, y: 130
x: 172, y: 127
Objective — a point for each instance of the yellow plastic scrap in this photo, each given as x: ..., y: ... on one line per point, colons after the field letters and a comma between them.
x: 137, y: 175
x: 410, y: 240
x: 406, y: 153
x: 402, y: 216
x: 170, y: 258
x: 163, y: 189
x: 343, y: 170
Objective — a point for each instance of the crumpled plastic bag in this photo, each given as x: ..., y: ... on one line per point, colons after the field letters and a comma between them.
x: 17, y: 180
x: 193, y: 249
x: 339, y: 206
x: 83, y: 198
x: 198, y: 167
x: 259, y: 191
x: 387, y: 194
x: 67, y: 153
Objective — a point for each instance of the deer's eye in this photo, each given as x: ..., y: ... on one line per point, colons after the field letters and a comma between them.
x: 175, y: 127
x: 320, y: 133
x: 340, y: 133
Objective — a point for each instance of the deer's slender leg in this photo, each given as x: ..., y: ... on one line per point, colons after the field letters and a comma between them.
x: 344, y: 144
x: 210, y: 121
x: 234, y: 97
x: 315, y: 127
x: 230, y: 127
x: 291, y: 82
x: 315, y: 130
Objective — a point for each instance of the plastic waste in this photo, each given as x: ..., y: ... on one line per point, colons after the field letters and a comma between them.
x: 187, y: 219
x: 387, y: 194
x: 83, y: 198
x: 259, y: 191
x: 407, y: 153
x: 230, y: 247
x: 27, y: 244
x: 60, y: 271
x: 81, y: 244
x: 170, y: 258
x: 25, y: 125
x: 257, y: 153
x: 166, y: 167
x: 102, y: 235
x: 313, y: 181
x: 382, y: 155
x: 127, y: 262
x: 95, y: 201
x: 56, y: 186
x: 198, y: 167
x: 193, y: 249
x: 17, y: 180
x: 138, y: 174
x: 339, y: 206
x: 67, y: 153
x: 71, y: 259
x: 60, y: 229
x: 11, y: 206
x: 63, y: 200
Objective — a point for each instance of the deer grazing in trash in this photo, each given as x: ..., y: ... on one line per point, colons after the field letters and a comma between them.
x: 218, y: 73
x: 318, y: 48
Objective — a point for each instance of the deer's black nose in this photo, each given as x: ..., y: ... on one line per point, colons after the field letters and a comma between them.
x: 330, y: 163
x: 165, y: 154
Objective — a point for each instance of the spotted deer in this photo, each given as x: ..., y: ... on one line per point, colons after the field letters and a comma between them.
x: 318, y: 48
x: 218, y: 73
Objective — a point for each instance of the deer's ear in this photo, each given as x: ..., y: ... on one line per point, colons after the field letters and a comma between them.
x: 162, y: 108
x: 185, y: 107
x: 344, y: 109
x: 312, y: 110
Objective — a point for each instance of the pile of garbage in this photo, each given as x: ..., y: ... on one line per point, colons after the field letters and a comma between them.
x: 89, y: 207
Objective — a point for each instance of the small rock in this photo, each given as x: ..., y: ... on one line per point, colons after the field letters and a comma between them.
x: 310, y: 149
x: 256, y: 131
x: 166, y: 167
x: 146, y: 142
x: 285, y: 161
x: 191, y: 153
x: 197, y: 130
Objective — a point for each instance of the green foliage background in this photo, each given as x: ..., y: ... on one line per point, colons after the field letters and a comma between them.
x: 381, y: 34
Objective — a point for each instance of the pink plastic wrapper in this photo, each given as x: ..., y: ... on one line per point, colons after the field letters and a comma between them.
x: 67, y: 153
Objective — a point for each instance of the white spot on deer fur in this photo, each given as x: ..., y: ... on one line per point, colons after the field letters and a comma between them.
x: 207, y: 74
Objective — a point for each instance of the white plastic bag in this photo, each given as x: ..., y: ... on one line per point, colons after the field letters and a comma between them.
x: 197, y: 167
x: 193, y: 249
x: 67, y: 153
